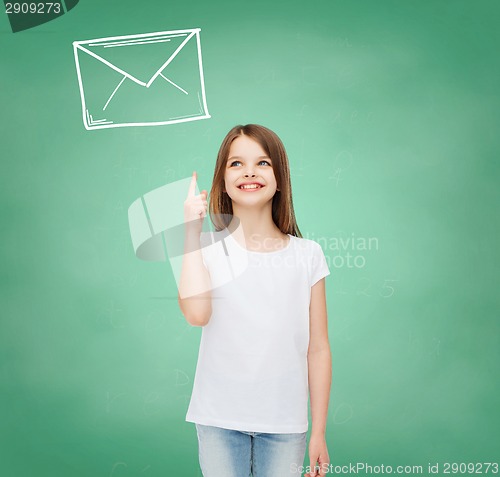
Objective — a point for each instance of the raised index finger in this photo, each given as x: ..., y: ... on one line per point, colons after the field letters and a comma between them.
x: 192, y: 185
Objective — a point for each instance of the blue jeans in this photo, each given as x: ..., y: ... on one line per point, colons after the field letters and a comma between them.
x: 229, y: 453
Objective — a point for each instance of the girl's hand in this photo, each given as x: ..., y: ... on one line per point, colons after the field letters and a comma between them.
x: 195, y: 207
x: 319, y: 461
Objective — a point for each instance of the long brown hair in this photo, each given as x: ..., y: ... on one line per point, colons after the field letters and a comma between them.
x: 220, y: 204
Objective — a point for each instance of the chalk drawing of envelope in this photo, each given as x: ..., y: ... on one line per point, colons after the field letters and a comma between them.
x: 149, y: 79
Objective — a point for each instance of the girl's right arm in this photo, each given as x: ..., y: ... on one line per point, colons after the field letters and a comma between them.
x: 195, y: 298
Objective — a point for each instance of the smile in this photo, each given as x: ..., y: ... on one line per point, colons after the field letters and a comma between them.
x: 250, y: 187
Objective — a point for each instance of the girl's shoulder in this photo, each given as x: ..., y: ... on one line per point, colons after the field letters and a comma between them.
x: 305, y: 241
x: 306, y: 244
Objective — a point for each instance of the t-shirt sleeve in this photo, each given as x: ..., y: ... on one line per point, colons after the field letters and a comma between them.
x: 319, y: 267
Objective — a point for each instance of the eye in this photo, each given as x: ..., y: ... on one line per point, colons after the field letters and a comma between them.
x: 260, y: 162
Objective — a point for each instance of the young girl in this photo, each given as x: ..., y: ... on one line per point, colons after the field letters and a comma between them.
x: 258, y: 290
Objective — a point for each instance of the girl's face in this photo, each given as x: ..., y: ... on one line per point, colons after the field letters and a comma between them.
x: 248, y: 163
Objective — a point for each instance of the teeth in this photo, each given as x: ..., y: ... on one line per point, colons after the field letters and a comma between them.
x: 251, y: 186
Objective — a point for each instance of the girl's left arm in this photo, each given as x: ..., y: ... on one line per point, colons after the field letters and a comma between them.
x: 320, y: 376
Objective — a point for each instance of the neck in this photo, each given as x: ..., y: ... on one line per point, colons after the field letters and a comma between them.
x: 255, y: 221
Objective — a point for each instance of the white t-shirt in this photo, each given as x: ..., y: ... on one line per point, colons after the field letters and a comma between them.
x: 252, y: 370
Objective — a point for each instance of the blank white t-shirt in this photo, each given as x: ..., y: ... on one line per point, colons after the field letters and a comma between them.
x: 251, y: 373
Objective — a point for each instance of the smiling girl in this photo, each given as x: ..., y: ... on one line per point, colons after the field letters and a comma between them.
x: 264, y: 345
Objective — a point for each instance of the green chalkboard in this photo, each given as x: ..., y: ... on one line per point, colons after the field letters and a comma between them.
x: 389, y: 112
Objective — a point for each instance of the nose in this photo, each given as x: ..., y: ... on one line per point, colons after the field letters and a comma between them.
x: 249, y: 174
